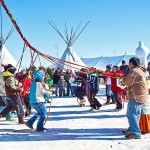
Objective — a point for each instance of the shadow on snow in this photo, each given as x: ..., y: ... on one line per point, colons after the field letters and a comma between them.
x: 55, y: 134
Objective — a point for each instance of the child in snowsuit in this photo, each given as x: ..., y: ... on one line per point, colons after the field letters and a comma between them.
x: 61, y: 85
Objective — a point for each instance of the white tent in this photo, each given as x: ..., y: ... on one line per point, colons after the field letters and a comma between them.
x: 102, y: 62
x: 6, y: 58
x: 69, y: 54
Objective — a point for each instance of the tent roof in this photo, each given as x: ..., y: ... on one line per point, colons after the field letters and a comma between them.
x: 6, y: 58
x: 70, y: 55
x: 102, y: 62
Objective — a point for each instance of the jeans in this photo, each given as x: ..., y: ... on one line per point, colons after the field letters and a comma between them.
x: 61, y: 91
x: 8, y: 116
x: 108, y: 90
x: 73, y: 88
x: 56, y: 89
x: 119, y: 104
x: 68, y: 88
x: 133, y: 114
x: 41, y: 113
x: 14, y: 103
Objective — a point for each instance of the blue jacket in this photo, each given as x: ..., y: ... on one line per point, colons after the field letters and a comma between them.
x: 93, y: 81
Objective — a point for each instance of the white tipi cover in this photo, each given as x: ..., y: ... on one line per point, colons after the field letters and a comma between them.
x: 6, y: 58
x: 71, y: 56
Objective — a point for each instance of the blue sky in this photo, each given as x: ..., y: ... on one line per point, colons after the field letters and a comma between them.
x: 115, y: 26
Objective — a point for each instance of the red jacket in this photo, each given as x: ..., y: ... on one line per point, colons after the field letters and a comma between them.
x: 26, y: 86
x: 83, y: 75
x: 114, y: 87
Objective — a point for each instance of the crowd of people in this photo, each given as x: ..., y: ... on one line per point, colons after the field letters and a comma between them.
x: 30, y: 88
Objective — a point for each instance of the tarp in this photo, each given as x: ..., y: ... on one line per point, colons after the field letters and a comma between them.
x: 102, y: 62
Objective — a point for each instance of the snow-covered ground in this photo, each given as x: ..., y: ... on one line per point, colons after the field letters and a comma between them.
x: 74, y: 128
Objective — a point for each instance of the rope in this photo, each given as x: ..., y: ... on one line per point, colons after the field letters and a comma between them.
x: 20, y: 56
x: 49, y: 111
x: 24, y: 48
x: 101, y: 98
x: 39, y: 59
x: 10, y: 32
x: 32, y: 56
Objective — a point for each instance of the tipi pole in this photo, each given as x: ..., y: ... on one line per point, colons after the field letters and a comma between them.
x: 56, y: 29
x: 80, y: 32
x: 73, y: 36
x: 9, y: 33
x: 1, y: 21
x: 66, y: 32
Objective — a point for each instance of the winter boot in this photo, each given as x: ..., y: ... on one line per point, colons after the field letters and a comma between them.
x: 108, y: 100
x: 82, y: 102
x: 113, y: 100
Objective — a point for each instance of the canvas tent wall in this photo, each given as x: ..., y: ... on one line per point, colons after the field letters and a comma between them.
x: 102, y: 62
x: 6, y: 58
x: 70, y: 55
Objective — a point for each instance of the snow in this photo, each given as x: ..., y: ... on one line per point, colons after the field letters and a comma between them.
x: 74, y: 128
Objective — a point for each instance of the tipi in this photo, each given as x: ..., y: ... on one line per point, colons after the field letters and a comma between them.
x: 5, y: 56
x: 69, y: 54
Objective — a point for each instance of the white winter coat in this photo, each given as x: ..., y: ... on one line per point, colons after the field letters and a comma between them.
x: 40, y: 91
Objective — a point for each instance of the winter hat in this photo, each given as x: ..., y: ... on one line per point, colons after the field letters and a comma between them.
x: 10, y: 68
x: 6, y: 67
x: 40, y: 74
